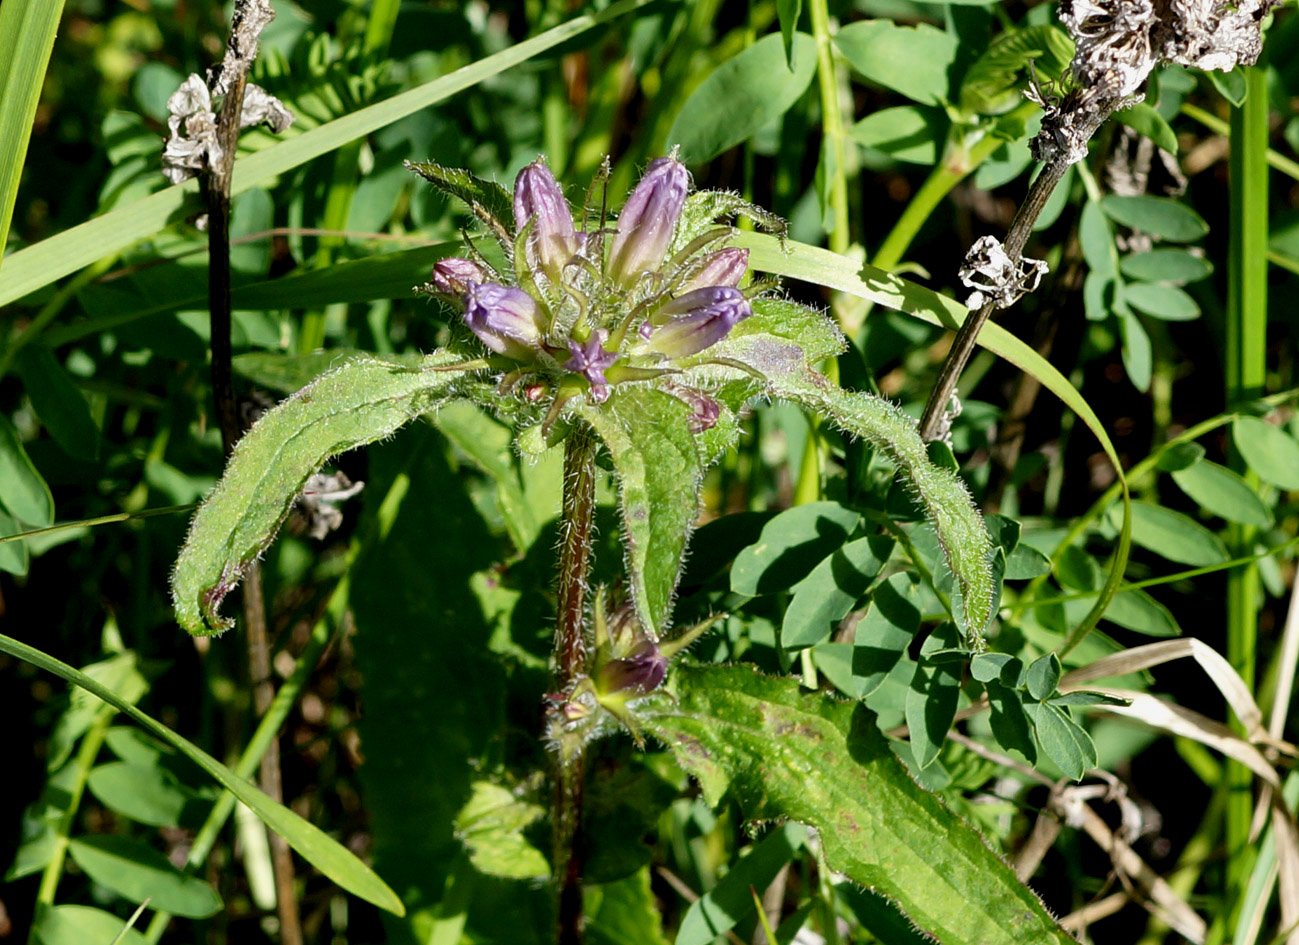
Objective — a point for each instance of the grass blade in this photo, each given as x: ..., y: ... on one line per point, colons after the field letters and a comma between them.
x: 27, y: 29
x: 327, y: 854
x: 37, y: 266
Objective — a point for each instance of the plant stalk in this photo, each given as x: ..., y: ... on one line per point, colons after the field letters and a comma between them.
x: 577, y: 527
x: 963, y: 346
x: 1246, y: 375
x: 218, y: 183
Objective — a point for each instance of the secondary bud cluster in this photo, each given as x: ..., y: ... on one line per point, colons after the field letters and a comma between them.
x: 586, y: 309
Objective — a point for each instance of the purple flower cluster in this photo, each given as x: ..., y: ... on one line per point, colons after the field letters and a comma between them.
x: 583, y: 287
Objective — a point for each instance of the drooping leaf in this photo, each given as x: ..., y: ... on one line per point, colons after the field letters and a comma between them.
x: 648, y: 437
x: 1008, y: 721
x: 1138, y: 358
x: 932, y: 697
x: 883, y: 635
x: 360, y: 402
x: 717, y: 911
x: 788, y: 11
x: 1062, y: 739
x: 790, y: 546
x: 137, y: 871
x: 326, y: 854
x: 912, y: 60
x: 786, y: 753
x: 965, y: 542
x: 1269, y: 451
x: 751, y: 90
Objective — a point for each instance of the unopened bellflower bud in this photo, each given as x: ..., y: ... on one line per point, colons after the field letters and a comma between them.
x: 724, y: 267
x: 697, y: 320
x: 641, y: 671
x: 647, y: 221
x: 505, y: 319
x: 553, y: 241
x: 451, y: 276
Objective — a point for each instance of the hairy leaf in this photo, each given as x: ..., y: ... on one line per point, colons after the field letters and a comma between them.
x: 947, y: 505
x: 357, y: 403
x: 488, y: 200
x: 647, y: 434
x: 787, y: 753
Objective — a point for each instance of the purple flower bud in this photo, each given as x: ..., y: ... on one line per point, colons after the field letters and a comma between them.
x: 697, y: 320
x: 646, y: 223
x: 724, y: 267
x: 704, y: 410
x: 505, y: 319
x: 451, y: 276
x: 553, y: 241
x: 643, y: 670
x: 590, y: 359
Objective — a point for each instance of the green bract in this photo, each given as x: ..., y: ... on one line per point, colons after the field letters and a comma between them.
x: 636, y: 328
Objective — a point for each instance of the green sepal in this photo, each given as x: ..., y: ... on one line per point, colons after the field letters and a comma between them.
x: 357, y: 403
x: 488, y: 200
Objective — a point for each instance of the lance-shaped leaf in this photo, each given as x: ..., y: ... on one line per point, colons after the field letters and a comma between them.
x: 360, y: 402
x: 648, y: 437
x: 947, y: 505
x: 783, y: 341
x: 786, y: 753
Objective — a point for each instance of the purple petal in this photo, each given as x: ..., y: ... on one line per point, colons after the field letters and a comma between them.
x: 648, y: 220
x: 451, y: 276
x: 697, y: 321
x: 589, y: 359
x: 722, y: 268
x: 537, y: 197
x: 504, y: 318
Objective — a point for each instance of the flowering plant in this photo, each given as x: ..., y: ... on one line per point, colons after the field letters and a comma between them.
x: 636, y: 336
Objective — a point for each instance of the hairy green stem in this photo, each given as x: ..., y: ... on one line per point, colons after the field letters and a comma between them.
x: 577, y: 526
x: 1246, y: 373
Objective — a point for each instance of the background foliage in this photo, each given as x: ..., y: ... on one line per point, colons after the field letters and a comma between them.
x: 890, y: 131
